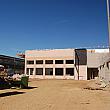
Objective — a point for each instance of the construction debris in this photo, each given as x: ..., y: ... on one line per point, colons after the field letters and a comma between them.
x: 98, y: 84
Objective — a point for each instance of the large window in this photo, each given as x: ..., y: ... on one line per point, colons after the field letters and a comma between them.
x: 29, y: 71
x: 48, y: 61
x: 48, y: 71
x: 39, y: 71
x: 39, y: 61
x: 58, y: 61
x: 70, y: 71
x: 69, y: 61
x: 30, y: 61
x: 59, y: 71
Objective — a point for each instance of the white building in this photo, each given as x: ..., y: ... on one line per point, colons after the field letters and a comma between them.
x: 75, y: 64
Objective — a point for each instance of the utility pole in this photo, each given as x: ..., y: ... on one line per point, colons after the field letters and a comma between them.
x: 108, y: 17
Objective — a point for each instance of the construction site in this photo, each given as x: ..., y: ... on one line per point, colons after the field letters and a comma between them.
x: 56, y: 79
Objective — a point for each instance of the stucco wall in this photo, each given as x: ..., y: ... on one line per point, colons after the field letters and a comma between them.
x: 104, y: 71
x: 82, y: 73
x: 95, y: 59
x: 56, y: 53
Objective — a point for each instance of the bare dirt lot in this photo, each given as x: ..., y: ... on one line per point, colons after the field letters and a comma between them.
x: 55, y: 95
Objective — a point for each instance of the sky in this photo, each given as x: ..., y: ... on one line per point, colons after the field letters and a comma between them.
x: 52, y: 24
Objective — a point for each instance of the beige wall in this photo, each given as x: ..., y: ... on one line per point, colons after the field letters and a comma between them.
x: 82, y: 73
x: 92, y: 60
x: 57, y: 54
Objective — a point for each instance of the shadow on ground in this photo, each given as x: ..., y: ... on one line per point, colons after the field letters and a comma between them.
x: 10, y: 93
x: 31, y: 87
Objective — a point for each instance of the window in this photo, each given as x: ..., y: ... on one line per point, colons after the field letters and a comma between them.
x: 70, y: 71
x: 39, y: 71
x: 69, y: 61
x: 58, y: 61
x: 48, y: 71
x: 39, y: 61
x: 59, y: 71
x: 48, y: 61
x: 29, y: 71
x: 30, y: 62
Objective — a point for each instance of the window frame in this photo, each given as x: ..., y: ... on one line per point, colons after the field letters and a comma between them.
x: 39, y: 61
x: 56, y: 69
x: 59, y: 63
x: 41, y: 71
x: 67, y: 61
x: 30, y: 61
x: 46, y: 62
x: 49, y: 71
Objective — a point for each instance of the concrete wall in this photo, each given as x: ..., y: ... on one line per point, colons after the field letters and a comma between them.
x: 96, y: 57
x: 104, y: 67
x: 93, y: 60
x: 99, y: 60
x: 82, y: 73
x: 104, y: 71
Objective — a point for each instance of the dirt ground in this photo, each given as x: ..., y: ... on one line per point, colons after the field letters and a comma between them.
x: 55, y: 95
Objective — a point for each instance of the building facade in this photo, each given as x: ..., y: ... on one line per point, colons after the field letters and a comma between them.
x: 12, y: 64
x: 78, y: 64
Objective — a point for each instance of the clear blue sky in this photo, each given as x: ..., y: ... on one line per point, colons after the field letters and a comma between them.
x: 40, y: 24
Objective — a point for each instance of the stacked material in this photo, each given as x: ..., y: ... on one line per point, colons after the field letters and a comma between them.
x: 98, y: 84
x: 20, y: 81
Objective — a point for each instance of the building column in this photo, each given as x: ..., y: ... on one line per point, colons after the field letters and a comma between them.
x: 53, y: 68
x: 64, y: 69
x: 75, y: 74
x: 53, y: 72
x: 25, y: 71
x: 64, y: 72
x: 34, y: 71
x: 43, y: 69
x: 29, y: 71
x: 43, y: 72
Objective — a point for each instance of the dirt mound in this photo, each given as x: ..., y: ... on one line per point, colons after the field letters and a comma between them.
x: 98, y: 84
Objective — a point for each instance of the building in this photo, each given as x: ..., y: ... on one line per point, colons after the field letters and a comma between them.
x: 82, y: 64
x: 12, y: 64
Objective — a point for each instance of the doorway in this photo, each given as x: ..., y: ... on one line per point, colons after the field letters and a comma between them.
x: 92, y: 73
